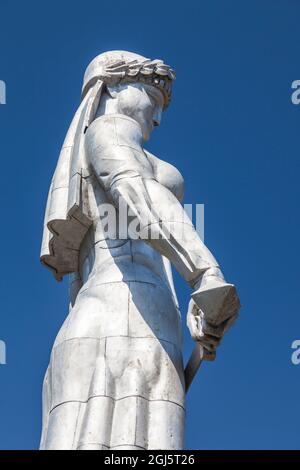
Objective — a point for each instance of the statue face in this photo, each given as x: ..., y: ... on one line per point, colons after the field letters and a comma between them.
x: 143, y: 103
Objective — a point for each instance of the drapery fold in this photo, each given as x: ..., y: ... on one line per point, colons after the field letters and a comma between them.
x: 66, y: 219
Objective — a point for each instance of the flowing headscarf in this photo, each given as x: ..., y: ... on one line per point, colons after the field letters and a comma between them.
x: 66, y: 217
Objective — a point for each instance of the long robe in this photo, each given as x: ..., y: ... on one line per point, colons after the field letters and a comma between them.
x: 115, y: 378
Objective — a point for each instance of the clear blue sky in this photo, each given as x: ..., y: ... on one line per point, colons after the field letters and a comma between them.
x: 232, y: 131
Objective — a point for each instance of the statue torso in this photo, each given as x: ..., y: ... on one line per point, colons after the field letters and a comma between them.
x: 111, y: 259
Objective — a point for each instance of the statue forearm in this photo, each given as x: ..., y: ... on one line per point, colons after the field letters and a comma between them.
x: 164, y: 224
x: 127, y: 176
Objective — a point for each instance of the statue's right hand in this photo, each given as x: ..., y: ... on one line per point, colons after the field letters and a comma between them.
x: 208, y: 335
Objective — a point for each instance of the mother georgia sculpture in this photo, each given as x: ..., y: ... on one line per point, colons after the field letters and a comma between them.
x: 116, y: 378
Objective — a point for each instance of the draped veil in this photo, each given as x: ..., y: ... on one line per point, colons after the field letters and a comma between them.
x: 66, y: 218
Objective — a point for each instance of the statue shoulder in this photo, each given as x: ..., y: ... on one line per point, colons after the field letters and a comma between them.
x: 114, y: 130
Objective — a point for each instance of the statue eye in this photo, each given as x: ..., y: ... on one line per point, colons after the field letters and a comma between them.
x: 153, y: 101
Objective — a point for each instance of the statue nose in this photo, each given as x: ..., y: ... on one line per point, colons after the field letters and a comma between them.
x: 156, y: 118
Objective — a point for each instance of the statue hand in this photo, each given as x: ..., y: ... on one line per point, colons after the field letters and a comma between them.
x: 208, y: 335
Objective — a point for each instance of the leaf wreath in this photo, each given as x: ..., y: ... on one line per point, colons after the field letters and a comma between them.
x: 152, y: 72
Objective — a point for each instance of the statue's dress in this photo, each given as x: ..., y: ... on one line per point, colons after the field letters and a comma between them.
x: 115, y: 378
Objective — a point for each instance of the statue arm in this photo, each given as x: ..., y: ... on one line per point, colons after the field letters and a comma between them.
x: 163, y: 222
x: 164, y: 225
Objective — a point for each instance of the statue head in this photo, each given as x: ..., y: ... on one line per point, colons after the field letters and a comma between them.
x: 139, y: 87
